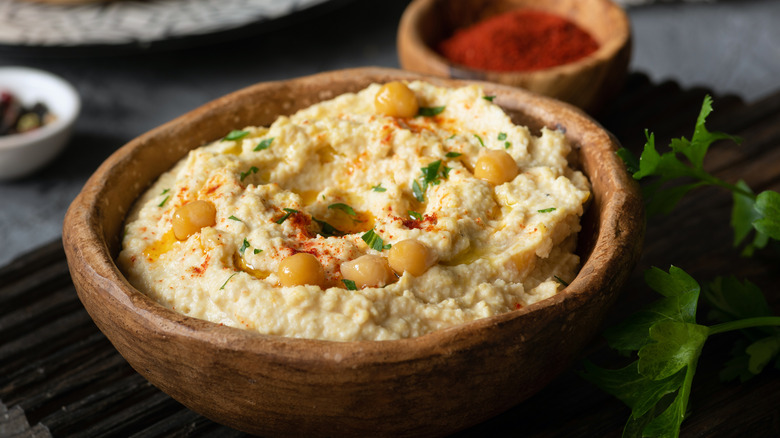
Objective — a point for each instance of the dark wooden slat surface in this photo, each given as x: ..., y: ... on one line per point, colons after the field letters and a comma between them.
x: 59, y: 376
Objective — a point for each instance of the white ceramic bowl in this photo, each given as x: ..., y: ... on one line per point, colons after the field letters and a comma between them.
x: 21, y: 154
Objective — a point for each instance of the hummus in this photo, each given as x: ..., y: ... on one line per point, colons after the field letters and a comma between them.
x: 338, y: 181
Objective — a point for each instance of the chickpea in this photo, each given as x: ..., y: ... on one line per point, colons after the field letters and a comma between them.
x: 368, y: 271
x: 191, y: 217
x: 299, y: 269
x: 410, y: 256
x: 395, y: 99
x: 495, y: 167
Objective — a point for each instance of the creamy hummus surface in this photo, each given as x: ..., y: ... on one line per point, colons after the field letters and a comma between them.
x: 274, y: 223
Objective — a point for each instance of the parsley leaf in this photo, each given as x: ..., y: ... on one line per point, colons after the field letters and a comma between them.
x: 482, y: 143
x: 244, y: 246
x: 546, y: 210
x: 236, y: 135
x: 290, y: 212
x: 265, y: 144
x: 226, y: 281
x: 415, y: 215
x: 378, y: 188
x: 430, y: 111
x: 453, y: 154
x: 164, y: 201
x: 343, y: 207
x: 502, y: 136
x: 165, y: 191
x: 257, y: 251
x: 328, y: 230
x: 373, y: 241
x: 507, y: 144
x: 418, y: 191
x: 251, y: 170
x: 489, y: 98
x: 349, y: 284
x: 430, y: 172
x: 233, y: 218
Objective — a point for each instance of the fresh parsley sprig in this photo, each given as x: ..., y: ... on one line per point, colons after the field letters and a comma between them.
x: 667, y: 341
x: 681, y: 170
x: 432, y: 174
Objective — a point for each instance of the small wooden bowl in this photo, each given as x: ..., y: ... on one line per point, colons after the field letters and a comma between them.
x: 431, y: 385
x: 586, y: 83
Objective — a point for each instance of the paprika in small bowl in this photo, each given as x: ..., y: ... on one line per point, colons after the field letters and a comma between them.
x: 573, y: 50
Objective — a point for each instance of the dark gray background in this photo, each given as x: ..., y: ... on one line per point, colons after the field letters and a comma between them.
x: 729, y: 46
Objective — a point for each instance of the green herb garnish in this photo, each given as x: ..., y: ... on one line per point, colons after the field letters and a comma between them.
x: 489, y: 98
x: 373, y: 241
x: 251, y: 170
x: 750, y: 212
x: 502, y: 136
x: 419, y: 195
x: 668, y: 342
x: 378, y: 188
x: 453, y: 154
x: 257, y: 251
x: 430, y: 111
x: 328, y: 230
x: 430, y: 172
x: 343, y: 207
x: 507, y: 145
x: 349, y: 284
x: 415, y: 215
x: 482, y: 143
x: 226, y: 281
x: 560, y: 280
x: 165, y: 191
x: 265, y: 144
x: 236, y: 135
x: 231, y: 217
x: 546, y: 210
x: 450, y: 137
x: 244, y: 246
x: 289, y: 211
x: 164, y: 201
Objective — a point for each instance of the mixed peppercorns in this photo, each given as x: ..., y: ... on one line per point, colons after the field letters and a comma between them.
x: 16, y: 118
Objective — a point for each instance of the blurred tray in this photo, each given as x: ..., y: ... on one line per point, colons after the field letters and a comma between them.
x: 59, y: 376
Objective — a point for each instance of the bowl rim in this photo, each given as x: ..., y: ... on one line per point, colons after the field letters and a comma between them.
x: 604, y: 52
x: 92, y: 256
x: 63, y: 120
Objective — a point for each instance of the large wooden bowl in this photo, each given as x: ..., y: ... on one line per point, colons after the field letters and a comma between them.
x: 431, y: 385
x: 586, y: 83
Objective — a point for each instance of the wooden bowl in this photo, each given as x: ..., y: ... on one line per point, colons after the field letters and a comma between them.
x: 586, y: 83
x: 430, y: 385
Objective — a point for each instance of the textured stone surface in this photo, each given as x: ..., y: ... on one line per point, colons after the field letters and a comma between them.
x: 729, y: 46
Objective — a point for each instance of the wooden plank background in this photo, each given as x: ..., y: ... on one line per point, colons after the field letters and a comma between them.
x: 59, y: 376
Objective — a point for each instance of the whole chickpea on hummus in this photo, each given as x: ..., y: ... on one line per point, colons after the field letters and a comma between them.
x: 389, y: 213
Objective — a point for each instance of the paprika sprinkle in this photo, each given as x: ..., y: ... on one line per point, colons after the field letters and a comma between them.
x: 520, y: 40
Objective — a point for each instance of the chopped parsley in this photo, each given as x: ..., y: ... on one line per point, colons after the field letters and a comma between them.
x: 251, y: 170
x: 430, y: 111
x: 327, y: 230
x: 378, y: 188
x: 415, y: 215
x: 546, y: 210
x: 431, y: 173
x: 453, y: 154
x: 450, y: 137
x: 257, y: 251
x: 343, y: 207
x: 349, y: 284
x: 502, y: 136
x: 164, y: 201
x: 489, y: 98
x: 418, y: 192
x: 236, y: 135
x: 481, y: 143
x: 226, y: 281
x: 165, y: 191
x: 375, y: 242
x: 233, y: 218
x: 290, y: 212
x: 507, y: 144
x: 561, y: 281
x: 264, y: 144
x: 446, y: 172
x: 244, y: 246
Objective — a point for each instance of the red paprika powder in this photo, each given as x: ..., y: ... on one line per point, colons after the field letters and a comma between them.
x: 520, y: 40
